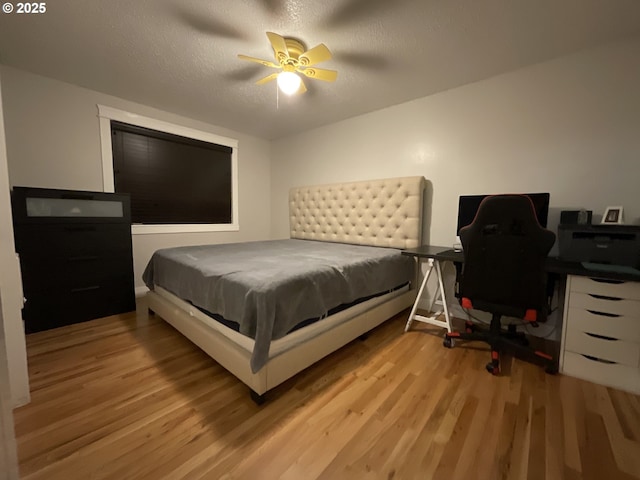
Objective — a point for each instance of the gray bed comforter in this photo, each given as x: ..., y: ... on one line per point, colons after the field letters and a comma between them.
x: 269, y: 287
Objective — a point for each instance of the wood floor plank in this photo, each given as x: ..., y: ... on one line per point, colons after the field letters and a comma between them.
x: 573, y: 407
x: 554, y: 433
x: 127, y: 397
x: 481, y: 465
x: 626, y: 411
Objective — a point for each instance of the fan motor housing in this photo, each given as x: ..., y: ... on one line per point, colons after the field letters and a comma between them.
x: 295, y: 49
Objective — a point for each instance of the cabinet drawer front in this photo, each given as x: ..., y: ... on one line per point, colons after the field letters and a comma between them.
x: 607, y: 348
x: 45, y: 205
x: 623, y: 327
x: 72, y: 240
x: 627, y: 290
x: 608, y: 304
x: 613, y: 375
x: 52, y: 274
x: 78, y: 305
x: 104, y: 290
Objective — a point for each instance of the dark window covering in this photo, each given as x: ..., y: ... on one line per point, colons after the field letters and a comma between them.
x: 171, y: 179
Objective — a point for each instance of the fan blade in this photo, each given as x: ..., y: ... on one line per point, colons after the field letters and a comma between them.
x: 320, y: 74
x: 353, y: 11
x: 266, y: 63
x: 203, y: 22
x: 278, y: 44
x: 273, y: 6
x: 319, y: 53
x: 246, y: 73
x: 364, y: 60
x: 267, y: 79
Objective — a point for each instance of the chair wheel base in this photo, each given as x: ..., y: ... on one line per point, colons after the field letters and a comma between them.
x: 448, y: 342
x: 493, y: 369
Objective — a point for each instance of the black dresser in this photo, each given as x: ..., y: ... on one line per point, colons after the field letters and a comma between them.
x: 75, y: 255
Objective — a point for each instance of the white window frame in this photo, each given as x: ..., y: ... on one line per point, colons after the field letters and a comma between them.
x: 106, y: 114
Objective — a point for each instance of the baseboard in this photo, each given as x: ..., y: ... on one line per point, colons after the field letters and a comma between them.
x: 21, y: 401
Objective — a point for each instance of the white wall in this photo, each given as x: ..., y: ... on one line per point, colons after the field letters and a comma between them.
x: 570, y: 127
x: 11, y: 326
x: 8, y: 450
x: 53, y: 141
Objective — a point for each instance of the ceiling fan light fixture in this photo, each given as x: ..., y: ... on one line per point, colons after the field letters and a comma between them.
x: 289, y: 82
x: 294, y: 62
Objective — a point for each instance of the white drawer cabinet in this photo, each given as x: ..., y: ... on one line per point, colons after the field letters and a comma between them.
x: 596, y: 286
x: 601, y: 332
x: 611, y: 374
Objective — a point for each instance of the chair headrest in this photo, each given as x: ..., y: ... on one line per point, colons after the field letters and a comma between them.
x: 506, y: 214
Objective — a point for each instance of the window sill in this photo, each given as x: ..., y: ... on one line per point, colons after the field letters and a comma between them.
x: 137, y: 229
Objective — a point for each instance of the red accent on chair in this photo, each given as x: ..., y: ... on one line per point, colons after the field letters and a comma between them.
x: 543, y: 355
x: 466, y: 303
x: 495, y: 355
x: 453, y: 334
x: 531, y: 315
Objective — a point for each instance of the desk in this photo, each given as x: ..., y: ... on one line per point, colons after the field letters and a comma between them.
x: 600, y: 337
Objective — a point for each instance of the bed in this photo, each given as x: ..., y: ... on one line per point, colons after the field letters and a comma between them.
x: 267, y: 310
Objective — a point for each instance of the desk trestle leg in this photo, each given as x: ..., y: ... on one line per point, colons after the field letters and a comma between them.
x: 439, y: 297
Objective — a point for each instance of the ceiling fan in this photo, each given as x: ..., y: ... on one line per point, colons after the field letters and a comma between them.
x: 292, y: 59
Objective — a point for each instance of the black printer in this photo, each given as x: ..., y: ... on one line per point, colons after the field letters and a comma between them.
x: 610, y: 244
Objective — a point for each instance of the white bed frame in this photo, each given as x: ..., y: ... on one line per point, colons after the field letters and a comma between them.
x: 378, y: 212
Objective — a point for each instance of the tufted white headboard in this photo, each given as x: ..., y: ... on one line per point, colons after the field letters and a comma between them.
x: 381, y: 213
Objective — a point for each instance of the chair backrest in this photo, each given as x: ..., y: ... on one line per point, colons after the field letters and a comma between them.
x: 505, y: 249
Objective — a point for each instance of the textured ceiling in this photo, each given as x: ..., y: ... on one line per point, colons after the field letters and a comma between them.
x: 180, y: 55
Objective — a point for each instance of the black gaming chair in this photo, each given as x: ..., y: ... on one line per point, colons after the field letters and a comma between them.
x: 503, y: 273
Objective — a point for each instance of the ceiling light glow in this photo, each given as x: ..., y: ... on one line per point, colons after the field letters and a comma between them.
x: 289, y: 83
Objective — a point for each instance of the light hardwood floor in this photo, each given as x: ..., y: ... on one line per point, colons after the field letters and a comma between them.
x: 127, y: 397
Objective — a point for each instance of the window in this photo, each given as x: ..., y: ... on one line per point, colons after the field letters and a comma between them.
x: 171, y: 179
x: 179, y: 179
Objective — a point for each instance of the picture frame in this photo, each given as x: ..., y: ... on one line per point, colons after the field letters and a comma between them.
x: 612, y: 216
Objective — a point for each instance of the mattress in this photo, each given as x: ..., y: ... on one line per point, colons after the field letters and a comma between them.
x: 269, y: 287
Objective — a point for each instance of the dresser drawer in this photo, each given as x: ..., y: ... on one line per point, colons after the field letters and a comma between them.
x: 53, y: 274
x: 605, y: 304
x: 607, y: 288
x: 624, y: 327
x: 608, y: 348
x: 61, y: 241
x: 76, y: 294
x: 78, y: 304
x: 612, y: 374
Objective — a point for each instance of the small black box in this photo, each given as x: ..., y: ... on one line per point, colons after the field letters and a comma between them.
x: 575, y: 217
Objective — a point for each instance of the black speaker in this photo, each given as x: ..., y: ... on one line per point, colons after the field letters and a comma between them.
x: 575, y: 217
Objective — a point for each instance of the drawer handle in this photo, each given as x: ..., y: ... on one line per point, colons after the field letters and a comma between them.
x: 595, y: 312
x: 596, y: 359
x: 80, y: 228
x: 85, y: 289
x: 604, y: 280
x: 603, y: 297
x: 601, y: 337
x: 85, y: 258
